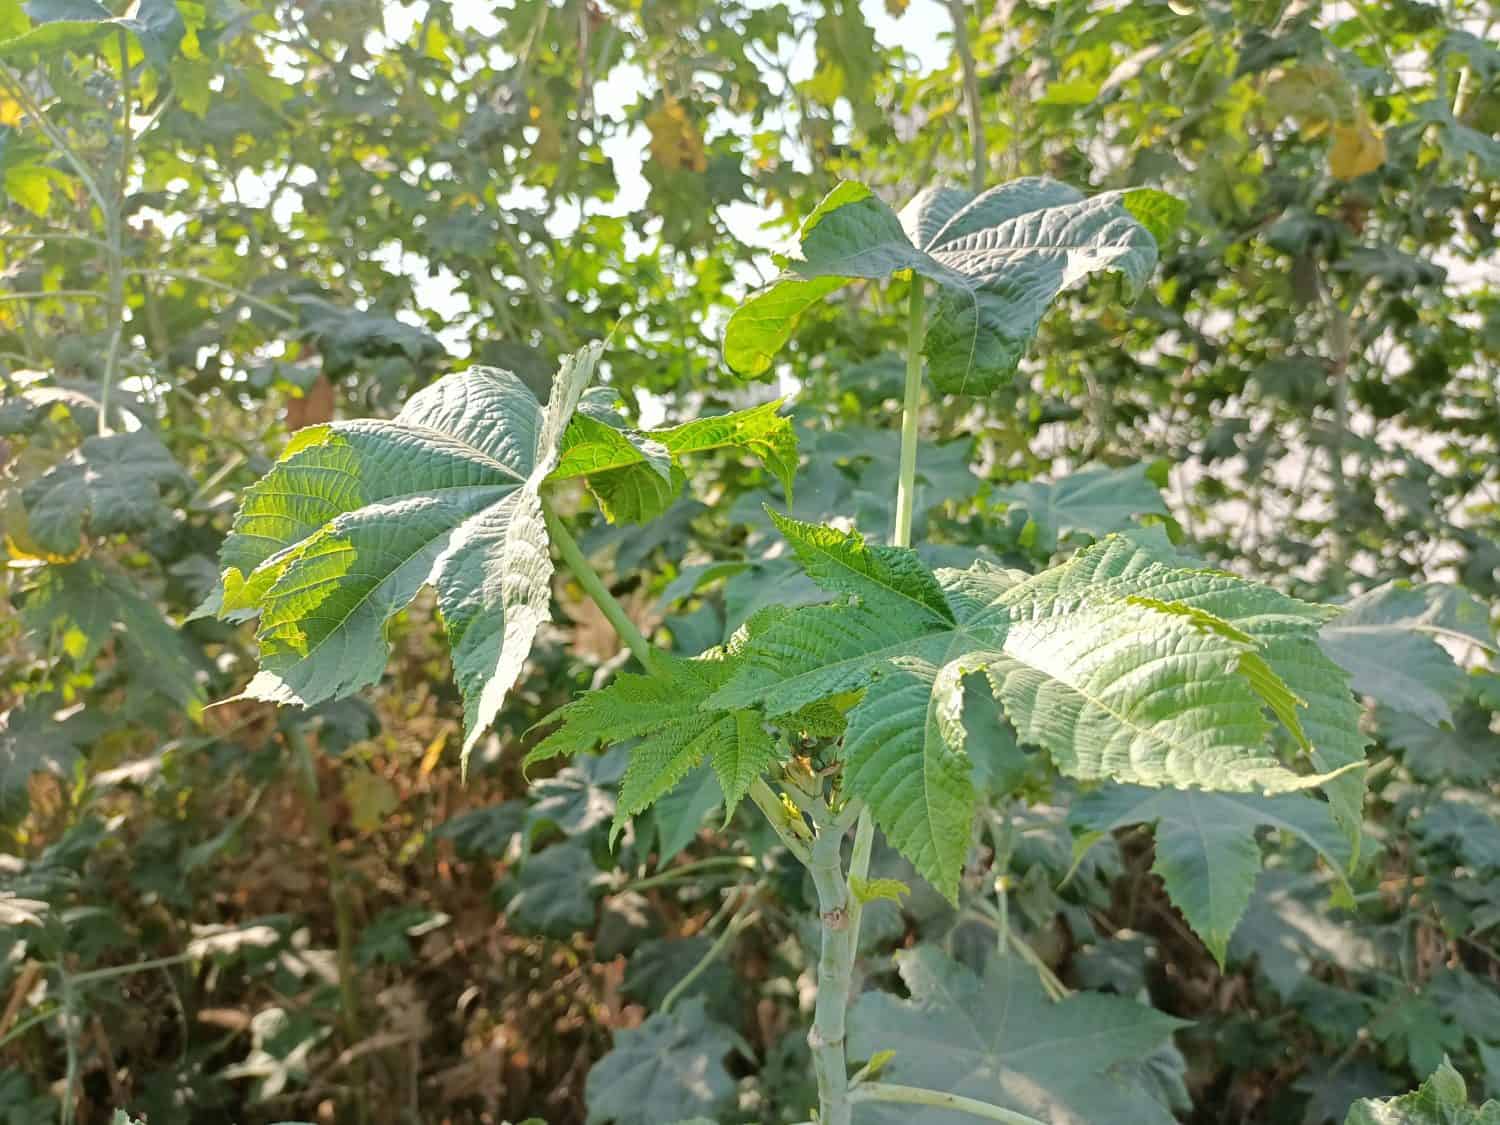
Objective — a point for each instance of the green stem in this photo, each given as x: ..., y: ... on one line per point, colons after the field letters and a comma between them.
x: 214, y: 283
x: 835, y: 976
x: 859, y: 866
x: 695, y: 870
x: 71, y: 1018
x: 52, y: 295
x: 938, y: 1099
x: 595, y: 588
x: 841, y: 911
x: 958, y: 9
x: 114, y: 222
x: 770, y: 807
x: 910, y: 409
x: 716, y: 950
x: 343, y: 918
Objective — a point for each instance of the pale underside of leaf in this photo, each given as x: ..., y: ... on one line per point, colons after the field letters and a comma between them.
x: 999, y: 1039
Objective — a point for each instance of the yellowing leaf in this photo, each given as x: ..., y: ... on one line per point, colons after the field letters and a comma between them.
x: 371, y: 798
x: 28, y: 185
x: 434, y: 752
x: 871, y: 890
x: 676, y: 142
x: 20, y: 546
x: 191, y: 78
x: 1312, y: 93
x: 75, y: 642
x: 548, y: 144
x: 1358, y: 148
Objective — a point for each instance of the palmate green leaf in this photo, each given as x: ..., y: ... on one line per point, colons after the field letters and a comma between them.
x: 635, y: 475
x: 357, y: 516
x: 111, y: 483
x: 1206, y: 849
x: 1000, y: 1039
x: 1097, y: 501
x: 82, y: 605
x: 1467, y: 751
x: 346, y: 337
x: 554, y: 892
x: 1442, y: 1100
x: 669, y: 1069
x: 1329, y: 715
x: 61, y: 25
x: 1387, y: 641
x: 1119, y: 663
x: 33, y: 739
x: 662, y: 710
x: 998, y: 259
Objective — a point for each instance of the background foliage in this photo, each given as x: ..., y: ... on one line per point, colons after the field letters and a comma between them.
x: 280, y: 213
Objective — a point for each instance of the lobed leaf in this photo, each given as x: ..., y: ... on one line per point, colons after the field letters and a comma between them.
x: 1441, y: 1100
x: 668, y: 1069
x: 1206, y: 849
x: 1386, y: 640
x: 358, y: 516
x: 998, y: 259
x: 635, y: 475
x: 1097, y: 501
x: 1000, y: 1039
x: 112, y: 483
x: 661, y: 709
x: 1120, y: 663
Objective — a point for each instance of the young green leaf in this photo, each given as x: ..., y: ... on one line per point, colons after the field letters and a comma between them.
x: 662, y: 710
x: 357, y: 516
x: 1442, y: 1100
x: 876, y: 890
x: 1116, y: 663
x: 998, y: 258
x: 999, y: 1039
x: 636, y: 475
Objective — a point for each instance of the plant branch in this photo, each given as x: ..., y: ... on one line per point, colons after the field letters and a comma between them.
x: 696, y: 870
x: 938, y: 1099
x: 199, y: 279
x: 343, y: 917
x: 595, y: 588
x: 910, y: 409
x: 114, y: 236
x: 54, y: 135
x: 51, y: 294
x: 771, y: 808
x: 958, y: 10
x: 716, y: 950
x: 307, y: 781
